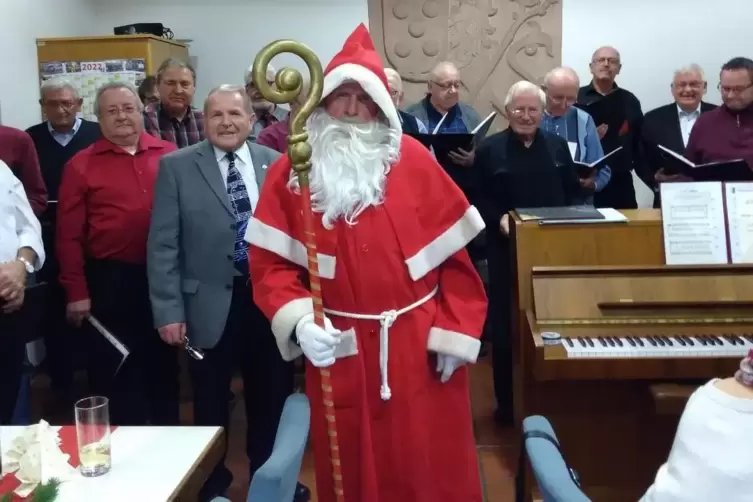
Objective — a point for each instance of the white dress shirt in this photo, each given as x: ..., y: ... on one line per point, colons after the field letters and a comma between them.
x: 245, y: 167
x: 712, y: 456
x: 19, y: 228
x: 687, y: 121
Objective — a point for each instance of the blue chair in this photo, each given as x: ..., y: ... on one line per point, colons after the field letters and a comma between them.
x: 275, y: 480
x: 556, y: 481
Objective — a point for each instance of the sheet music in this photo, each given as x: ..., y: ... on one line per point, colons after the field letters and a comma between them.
x: 739, y: 197
x: 119, y: 346
x: 693, y: 222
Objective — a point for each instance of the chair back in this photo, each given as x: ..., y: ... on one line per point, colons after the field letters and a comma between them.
x: 276, y: 479
x: 556, y: 480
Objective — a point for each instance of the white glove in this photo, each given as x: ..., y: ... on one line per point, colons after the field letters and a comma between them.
x: 446, y: 365
x: 317, y: 344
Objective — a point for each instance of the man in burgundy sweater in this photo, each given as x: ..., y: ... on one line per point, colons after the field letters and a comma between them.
x: 727, y: 132
x: 17, y: 150
x: 104, y: 209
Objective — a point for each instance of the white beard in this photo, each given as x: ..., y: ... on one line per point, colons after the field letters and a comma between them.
x: 350, y: 162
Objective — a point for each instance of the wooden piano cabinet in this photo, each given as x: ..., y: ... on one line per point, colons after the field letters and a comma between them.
x: 578, y: 279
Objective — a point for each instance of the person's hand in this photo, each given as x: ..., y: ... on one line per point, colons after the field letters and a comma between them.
x: 317, y: 344
x: 173, y: 334
x: 462, y: 157
x: 504, y: 224
x: 662, y: 177
x: 602, y: 130
x: 14, y: 302
x: 588, y: 183
x: 446, y: 365
x: 12, y: 280
x: 76, y: 312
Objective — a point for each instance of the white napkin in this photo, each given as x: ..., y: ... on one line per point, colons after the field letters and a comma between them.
x: 35, y: 457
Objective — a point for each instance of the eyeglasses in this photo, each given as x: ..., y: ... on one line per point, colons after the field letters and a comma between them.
x: 521, y: 112
x: 738, y: 89
x: 448, y: 85
x: 689, y: 85
x: 67, y: 105
x: 609, y: 61
x: 126, y: 110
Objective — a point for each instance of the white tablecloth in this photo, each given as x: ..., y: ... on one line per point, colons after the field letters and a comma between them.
x: 148, y: 464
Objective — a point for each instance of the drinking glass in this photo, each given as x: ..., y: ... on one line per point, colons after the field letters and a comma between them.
x: 93, y: 435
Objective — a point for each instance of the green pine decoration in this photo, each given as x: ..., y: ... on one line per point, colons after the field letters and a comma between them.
x: 47, y: 492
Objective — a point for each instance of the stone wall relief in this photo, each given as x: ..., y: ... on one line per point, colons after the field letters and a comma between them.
x: 494, y: 43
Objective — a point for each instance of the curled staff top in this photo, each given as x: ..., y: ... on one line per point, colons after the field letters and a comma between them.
x: 288, y: 85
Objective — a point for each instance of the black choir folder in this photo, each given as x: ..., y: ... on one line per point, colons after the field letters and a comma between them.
x: 559, y: 213
x: 725, y: 170
x: 443, y: 144
x: 586, y: 170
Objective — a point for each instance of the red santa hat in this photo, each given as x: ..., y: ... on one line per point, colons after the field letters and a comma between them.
x: 358, y: 61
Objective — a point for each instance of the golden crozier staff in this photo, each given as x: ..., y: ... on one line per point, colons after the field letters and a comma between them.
x: 289, y: 85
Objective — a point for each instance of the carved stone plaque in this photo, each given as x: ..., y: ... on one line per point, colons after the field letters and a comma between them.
x: 494, y: 43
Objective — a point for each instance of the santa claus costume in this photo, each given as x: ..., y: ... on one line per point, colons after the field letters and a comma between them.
x: 391, y: 228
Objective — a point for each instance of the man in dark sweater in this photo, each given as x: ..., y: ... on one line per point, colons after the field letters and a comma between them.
x: 56, y: 140
x: 727, y: 132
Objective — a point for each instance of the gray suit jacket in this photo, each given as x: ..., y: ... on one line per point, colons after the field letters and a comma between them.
x: 191, y: 241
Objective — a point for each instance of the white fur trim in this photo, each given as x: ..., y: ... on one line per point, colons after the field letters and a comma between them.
x: 452, y: 343
x: 278, y: 242
x: 370, y: 83
x: 284, y: 322
x: 450, y: 242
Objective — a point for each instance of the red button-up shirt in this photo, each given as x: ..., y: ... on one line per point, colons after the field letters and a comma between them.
x: 18, y: 151
x: 104, y: 207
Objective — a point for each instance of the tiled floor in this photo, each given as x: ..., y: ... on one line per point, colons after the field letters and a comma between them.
x: 497, y: 447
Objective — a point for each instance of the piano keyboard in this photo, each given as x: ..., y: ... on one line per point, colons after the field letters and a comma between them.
x: 658, y: 346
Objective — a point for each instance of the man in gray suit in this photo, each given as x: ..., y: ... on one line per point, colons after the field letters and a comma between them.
x: 198, y: 275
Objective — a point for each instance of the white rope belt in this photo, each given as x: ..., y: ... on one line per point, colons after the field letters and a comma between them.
x: 386, y: 320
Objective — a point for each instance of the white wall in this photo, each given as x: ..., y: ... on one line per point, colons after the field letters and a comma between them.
x: 21, y: 23
x: 227, y: 34
x: 655, y: 37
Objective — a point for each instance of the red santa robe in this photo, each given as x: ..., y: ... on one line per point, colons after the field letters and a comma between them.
x: 418, y: 445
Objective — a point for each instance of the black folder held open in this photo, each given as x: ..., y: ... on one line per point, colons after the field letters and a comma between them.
x: 725, y: 170
x: 443, y: 144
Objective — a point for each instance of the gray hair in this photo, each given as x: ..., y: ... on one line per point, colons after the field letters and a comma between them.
x: 394, y: 79
x: 524, y: 87
x: 271, y: 72
x: 440, y: 67
x: 230, y: 89
x: 175, y: 63
x: 57, y: 84
x: 561, y: 72
x: 112, y: 86
x: 691, y: 68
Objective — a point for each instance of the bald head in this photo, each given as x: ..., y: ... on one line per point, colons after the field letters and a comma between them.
x: 444, y: 86
x: 561, y: 75
x: 605, y: 64
x: 561, y: 85
x: 396, y: 85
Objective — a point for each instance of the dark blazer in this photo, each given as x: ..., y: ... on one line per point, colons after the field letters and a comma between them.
x: 661, y: 126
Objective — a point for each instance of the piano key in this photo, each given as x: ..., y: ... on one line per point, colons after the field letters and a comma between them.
x: 660, y: 346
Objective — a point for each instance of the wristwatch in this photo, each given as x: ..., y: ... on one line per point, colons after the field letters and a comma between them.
x: 28, y: 266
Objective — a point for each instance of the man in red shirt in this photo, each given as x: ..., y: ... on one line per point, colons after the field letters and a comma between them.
x: 17, y: 150
x: 104, y: 208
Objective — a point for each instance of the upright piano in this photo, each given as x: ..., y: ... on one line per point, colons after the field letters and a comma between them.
x: 636, y: 337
